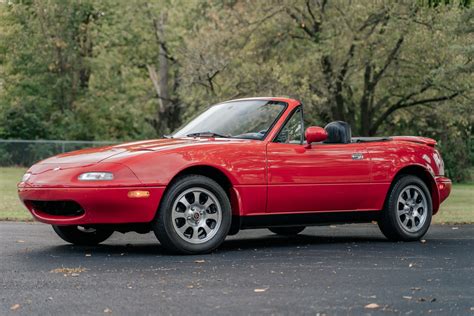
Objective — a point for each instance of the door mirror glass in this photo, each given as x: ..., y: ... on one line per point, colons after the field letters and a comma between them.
x: 315, y: 134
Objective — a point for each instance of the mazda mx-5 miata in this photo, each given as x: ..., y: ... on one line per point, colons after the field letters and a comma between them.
x: 241, y: 164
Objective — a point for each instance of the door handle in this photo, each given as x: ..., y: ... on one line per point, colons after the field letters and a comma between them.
x: 357, y: 156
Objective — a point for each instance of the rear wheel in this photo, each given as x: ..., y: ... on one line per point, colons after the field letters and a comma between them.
x: 80, y: 235
x: 194, y: 216
x: 408, y: 210
x: 287, y: 231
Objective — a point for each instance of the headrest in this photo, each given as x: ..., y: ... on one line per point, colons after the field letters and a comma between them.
x: 339, y: 132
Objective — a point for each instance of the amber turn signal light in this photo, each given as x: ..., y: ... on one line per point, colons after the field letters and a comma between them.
x: 138, y: 194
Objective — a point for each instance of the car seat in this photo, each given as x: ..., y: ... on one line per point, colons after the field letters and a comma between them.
x: 339, y: 132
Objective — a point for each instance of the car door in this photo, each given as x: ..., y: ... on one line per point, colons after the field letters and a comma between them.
x: 325, y: 177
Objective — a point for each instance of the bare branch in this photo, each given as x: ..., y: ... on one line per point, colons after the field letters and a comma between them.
x: 345, y: 65
x: 316, y: 23
x: 323, y: 5
x: 403, y: 104
x: 391, y: 57
x: 302, y: 25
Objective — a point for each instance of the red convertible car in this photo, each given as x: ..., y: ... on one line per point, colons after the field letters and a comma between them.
x: 241, y: 164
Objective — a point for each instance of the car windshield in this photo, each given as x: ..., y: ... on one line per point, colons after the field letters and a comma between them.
x: 250, y: 119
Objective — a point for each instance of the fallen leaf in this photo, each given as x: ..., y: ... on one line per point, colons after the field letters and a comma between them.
x: 407, y: 297
x: 20, y: 241
x: 107, y: 311
x: 190, y: 286
x: 15, y: 307
x: 260, y: 290
x: 199, y: 261
x: 372, y: 306
x: 69, y: 271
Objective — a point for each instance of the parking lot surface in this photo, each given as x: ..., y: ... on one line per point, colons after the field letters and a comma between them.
x: 333, y: 270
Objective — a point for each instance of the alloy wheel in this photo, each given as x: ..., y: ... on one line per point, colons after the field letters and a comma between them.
x: 412, y: 208
x: 196, y: 215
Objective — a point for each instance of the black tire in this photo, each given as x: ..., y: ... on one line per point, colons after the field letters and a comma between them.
x: 390, y: 223
x: 73, y: 235
x: 163, y: 225
x: 287, y: 231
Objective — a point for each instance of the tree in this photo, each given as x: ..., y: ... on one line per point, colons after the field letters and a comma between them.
x: 45, y: 52
x: 97, y: 70
x: 389, y: 68
x: 372, y: 67
x: 359, y: 63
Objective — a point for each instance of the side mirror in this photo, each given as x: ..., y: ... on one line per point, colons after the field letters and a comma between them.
x: 315, y: 134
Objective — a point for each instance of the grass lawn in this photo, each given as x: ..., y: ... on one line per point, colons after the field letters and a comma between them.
x: 10, y: 206
x: 459, y: 207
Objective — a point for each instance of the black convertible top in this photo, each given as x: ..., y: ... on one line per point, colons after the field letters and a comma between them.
x: 369, y: 139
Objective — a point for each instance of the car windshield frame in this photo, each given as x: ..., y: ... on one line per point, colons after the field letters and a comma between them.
x: 207, y: 133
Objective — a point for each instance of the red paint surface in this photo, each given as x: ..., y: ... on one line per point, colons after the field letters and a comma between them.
x: 267, y: 177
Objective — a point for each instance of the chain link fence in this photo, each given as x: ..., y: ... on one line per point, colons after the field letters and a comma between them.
x: 26, y: 152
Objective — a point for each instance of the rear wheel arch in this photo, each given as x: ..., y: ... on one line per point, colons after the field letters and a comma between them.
x: 422, y: 173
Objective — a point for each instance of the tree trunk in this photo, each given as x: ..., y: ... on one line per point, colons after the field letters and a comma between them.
x: 164, y: 114
x: 364, y: 124
x: 164, y: 66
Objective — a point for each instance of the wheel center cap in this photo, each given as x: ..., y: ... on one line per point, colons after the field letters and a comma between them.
x: 196, y: 216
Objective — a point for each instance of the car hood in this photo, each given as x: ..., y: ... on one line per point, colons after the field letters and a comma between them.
x: 90, y: 156
x: 158, y: 144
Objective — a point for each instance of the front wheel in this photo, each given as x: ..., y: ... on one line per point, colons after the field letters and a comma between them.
x: 408, y: 210
x: 287, y: 231
x: 194, y: 216
x: 83, y: 236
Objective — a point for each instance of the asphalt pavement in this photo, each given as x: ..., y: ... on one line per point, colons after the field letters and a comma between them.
x: 333, y: 270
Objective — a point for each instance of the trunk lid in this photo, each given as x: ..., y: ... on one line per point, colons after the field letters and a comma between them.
x: 416, y: 139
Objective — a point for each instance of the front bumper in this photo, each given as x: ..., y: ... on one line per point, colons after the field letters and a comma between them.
x: 101, y: 205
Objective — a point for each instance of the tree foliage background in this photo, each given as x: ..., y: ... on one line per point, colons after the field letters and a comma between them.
x: 120, y: 70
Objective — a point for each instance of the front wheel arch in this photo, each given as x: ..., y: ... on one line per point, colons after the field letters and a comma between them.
x: 223, y: 179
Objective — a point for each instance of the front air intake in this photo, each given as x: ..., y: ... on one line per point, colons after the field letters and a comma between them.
x: 57, y: 208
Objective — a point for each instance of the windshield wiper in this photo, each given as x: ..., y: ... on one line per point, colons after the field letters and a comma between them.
x: 207, y: 134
